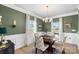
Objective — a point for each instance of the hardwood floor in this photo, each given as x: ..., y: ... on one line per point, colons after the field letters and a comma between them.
x: 28, y: 50
x: 25, y: 49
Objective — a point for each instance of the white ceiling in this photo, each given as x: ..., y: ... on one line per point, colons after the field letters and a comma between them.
x: 53, y: 9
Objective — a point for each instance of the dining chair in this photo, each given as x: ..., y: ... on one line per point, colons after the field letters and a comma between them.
x: 40, y: 45
x: 65, y: 47
x: 50, y: 34
x: 36, y: 35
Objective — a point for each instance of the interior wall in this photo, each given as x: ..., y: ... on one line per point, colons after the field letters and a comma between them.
x: 30, y: 29
x: 22, y: 39
x: 18, y: 39
x: 72, y: 38
x: 8, y: 17
x: 78, y: 20
x: 72, y: 21
x: 47, y: 27
x: 42, y: 26
x: 39, y: 25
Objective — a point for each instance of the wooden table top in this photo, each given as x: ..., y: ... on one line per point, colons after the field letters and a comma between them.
x: 48, y: 39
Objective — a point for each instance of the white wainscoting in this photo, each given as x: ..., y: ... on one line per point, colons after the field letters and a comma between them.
x: 72, y: 38
x: 18, y: 39
x: 30, y: 39
x: 21, y: 39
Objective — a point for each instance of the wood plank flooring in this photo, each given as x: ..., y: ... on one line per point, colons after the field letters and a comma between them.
x: 27, y: 50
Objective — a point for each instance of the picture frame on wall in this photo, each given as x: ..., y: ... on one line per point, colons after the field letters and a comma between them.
x: 68, y: 25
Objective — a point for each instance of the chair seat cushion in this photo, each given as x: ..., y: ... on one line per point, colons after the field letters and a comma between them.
x: 44, y: 48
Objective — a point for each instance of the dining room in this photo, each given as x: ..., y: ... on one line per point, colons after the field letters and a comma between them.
x: 42, y: 28
x: 56, y: 31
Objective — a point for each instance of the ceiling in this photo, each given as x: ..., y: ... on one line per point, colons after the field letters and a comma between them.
x: 53, y: 9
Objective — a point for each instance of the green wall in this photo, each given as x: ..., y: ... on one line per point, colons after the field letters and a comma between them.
x: 8, y: 16
x: 78, y: 20
x: 47, y: 27
x: 32, y: 18
x: 73, y: 20
x: 42, y: 26
x: 39, y: 25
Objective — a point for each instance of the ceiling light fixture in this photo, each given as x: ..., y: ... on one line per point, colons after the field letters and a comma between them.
x: 46, y: 19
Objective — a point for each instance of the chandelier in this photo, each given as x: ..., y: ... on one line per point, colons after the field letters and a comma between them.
x: 46, y: 19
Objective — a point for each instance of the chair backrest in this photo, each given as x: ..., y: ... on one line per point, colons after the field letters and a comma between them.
x: 50, y: 33
x: 36, y: 36
x: 40, y: 43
